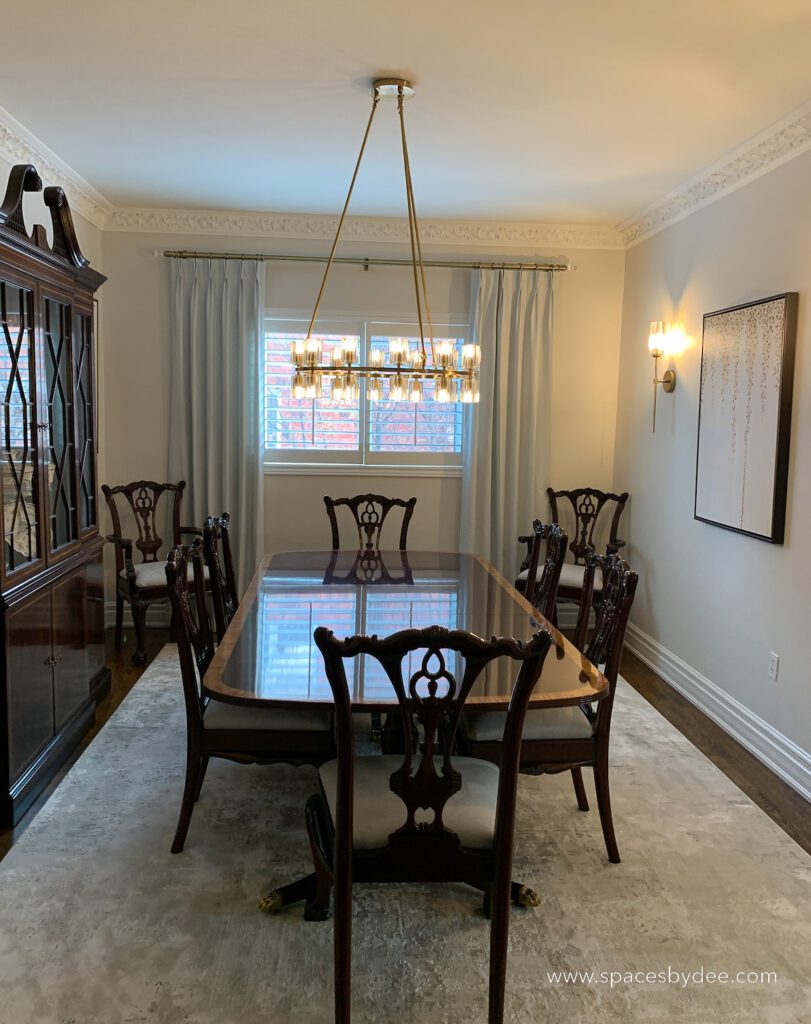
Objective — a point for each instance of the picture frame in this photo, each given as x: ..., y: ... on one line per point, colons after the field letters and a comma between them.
x: 744, y: 416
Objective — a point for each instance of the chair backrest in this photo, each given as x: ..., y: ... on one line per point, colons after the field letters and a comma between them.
x: 369, y: 567
x: 435, y: 698
x: 143, y: 498
x: 611, y: 618
x: 223, y: 584
x: 542, y: 592
x: 195, y: 643
x: 369, y: 512
x: 587, y: 503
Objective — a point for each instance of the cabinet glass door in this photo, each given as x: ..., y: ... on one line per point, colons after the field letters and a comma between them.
x: 18, y: 450
x: 61, y: 453
x: 85, y: 418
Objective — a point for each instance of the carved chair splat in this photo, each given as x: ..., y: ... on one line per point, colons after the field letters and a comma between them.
x: 217, y: 549
x: 543, y: 577
x: 369, y: 512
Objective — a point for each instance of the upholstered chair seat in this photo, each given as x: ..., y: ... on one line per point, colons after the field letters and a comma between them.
x: 151, y: 575
x: 219, y: 715
x: 570, y: 576
x: 378, y: 812
x: 548, y: 724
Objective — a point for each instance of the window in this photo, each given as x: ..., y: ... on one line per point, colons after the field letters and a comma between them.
x: 362, y: 432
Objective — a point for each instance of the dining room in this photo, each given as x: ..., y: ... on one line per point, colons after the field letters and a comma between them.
x: 404, y: 571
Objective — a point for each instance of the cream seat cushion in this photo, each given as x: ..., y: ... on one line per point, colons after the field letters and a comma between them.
x: 378, y: 812
x: 545, y: 724
x: 570, y: 576
x: 219, y: 715
x: 149, y: 575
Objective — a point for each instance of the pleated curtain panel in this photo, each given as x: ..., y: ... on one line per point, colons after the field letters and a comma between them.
x: 507, y: 443
x: 215, y: 424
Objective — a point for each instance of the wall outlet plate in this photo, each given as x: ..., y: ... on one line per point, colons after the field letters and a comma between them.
x: 774, y: 665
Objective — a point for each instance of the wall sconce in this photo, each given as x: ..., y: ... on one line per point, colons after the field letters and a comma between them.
x: 659, y: 340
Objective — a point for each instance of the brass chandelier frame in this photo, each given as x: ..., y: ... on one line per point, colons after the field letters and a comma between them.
x: 456, y: 377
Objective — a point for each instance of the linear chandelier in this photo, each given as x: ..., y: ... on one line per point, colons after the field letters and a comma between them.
x: 455, y: 374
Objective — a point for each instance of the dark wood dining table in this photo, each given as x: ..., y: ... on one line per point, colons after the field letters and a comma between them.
x: 268, y: 659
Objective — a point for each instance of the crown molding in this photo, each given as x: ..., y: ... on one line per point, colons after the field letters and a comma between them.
x: 764, y: 152
x: 363, y: 229
x: 19, y: 146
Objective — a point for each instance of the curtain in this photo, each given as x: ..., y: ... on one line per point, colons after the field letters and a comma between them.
x: 215, y: 422
x: 507, y: 444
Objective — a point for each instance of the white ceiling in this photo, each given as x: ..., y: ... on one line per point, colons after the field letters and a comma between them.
x: 582, y: 111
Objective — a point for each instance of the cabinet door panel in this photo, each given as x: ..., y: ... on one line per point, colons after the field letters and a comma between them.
x: 82, y: 341
x: 18, y: 450
x: 71, y: 681
x: 60, y: 455
x: 30, y: 685
x: 96, y: 653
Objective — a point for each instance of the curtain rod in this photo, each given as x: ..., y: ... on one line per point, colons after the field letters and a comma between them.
x: 186, y: 254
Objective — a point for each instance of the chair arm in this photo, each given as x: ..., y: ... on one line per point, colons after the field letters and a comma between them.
x: 124, y: 545
x: 612, y: 549
x: 528, y: 540
x: 194, y: 530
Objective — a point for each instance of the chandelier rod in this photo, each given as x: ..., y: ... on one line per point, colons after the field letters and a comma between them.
x: 360, y: 261
x: 331, y: 258
x: 411, y: 226
x: 413, y: 214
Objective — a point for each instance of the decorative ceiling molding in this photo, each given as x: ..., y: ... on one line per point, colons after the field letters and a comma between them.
x: 19, y: 146
x: 364, y: 229
x: 765, y: 151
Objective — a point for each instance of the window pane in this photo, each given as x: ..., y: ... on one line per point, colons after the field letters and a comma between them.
x: 426, y: 426
x: 308, y: 424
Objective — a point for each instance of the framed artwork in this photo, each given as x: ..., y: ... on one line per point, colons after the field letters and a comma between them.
x: 744, y: 416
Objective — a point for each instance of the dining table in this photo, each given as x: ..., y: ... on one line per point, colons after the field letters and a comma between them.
x: 268, y: 658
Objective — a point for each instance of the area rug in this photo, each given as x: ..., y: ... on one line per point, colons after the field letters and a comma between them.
x: 100, y: 924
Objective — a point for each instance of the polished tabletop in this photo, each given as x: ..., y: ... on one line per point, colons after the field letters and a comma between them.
x: 268, y: 657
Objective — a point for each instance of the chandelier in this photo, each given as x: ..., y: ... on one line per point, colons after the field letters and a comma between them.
x: 407, y: 368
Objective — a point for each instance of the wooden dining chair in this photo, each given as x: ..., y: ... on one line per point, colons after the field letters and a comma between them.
x: 214, y: 728
x: 363, y: 824
x: 143, y: 583
x: 223, y: 583
x: 541, y: 589
x: 369, y: 512
x: 570, y: 738
x: 590, y: 513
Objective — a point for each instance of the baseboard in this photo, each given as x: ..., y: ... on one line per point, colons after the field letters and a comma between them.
x: 782, y: 755
x: 157, y: 615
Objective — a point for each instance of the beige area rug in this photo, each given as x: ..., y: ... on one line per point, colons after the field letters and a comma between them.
x: 99, y: 924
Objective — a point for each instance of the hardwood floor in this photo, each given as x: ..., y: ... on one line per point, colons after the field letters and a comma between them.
x: 783, y: 805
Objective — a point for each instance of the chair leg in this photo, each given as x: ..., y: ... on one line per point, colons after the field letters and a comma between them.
x: 119, y: 619
x: 499, y: 936
x: 342, y: 901
x: 203, y: 769
x: 580, y: 789
x: 604, y: 804
x: 321, y: 848
x: 139, y: 620
x: 190, y: 790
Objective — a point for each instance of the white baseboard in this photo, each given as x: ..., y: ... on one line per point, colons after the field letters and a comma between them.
x: 782, y: 755
x: 157, y: 615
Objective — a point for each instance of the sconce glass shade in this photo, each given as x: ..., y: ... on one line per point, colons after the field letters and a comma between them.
x: 657, y: 338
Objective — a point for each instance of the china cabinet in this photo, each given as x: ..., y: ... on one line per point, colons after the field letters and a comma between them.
x: 51, y: 577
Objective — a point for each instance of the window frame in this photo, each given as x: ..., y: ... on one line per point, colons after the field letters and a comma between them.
x: 362, y: 460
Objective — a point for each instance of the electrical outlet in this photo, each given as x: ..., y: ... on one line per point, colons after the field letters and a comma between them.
x: 774, y: 665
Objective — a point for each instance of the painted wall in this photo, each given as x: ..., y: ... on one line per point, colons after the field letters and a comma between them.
x: 136, y: 363
x: 720, y: 601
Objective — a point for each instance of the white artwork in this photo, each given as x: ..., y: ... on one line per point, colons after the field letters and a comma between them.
x: 744, y: 416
